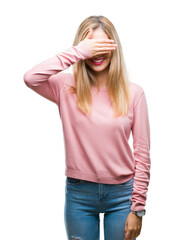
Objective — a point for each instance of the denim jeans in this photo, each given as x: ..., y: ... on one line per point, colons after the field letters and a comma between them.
x: 85, y: 200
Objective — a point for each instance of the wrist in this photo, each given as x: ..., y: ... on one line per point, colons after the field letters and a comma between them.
x: 139, y: 213
x: 84, y: 48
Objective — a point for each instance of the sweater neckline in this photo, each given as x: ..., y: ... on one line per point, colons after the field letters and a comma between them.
x: 103, y: 89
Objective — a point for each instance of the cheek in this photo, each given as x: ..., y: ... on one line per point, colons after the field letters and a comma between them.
x: 108, y: 60
x: 109, y: 56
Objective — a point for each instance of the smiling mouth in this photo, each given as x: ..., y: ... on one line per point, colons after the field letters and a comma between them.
x: 98, y: 61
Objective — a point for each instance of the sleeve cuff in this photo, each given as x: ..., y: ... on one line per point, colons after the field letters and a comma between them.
x: 84, y: 49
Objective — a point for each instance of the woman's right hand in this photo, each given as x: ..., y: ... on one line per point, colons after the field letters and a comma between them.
x: 99, y: 46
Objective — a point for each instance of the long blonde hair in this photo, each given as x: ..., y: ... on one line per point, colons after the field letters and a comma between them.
x: 117, y: 80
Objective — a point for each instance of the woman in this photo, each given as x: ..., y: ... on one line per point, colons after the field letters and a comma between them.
x: 99, y: 107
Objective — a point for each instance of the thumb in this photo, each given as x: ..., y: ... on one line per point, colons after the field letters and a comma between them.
x: 125, y: 230
x: 89, y: 35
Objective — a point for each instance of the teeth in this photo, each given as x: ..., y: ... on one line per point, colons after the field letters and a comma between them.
x: 98, y: 60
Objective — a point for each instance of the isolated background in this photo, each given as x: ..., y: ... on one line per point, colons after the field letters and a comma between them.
x: 32, y: 156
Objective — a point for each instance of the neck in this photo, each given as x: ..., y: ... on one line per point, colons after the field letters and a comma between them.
x: 101, y: 77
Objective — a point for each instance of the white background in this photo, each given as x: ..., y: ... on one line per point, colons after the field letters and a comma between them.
x: 32, y: 157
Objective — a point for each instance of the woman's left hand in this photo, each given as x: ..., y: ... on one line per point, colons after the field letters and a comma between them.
x: 133, y: 226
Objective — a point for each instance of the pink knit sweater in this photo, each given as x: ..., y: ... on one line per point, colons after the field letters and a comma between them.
x: 96, y: 146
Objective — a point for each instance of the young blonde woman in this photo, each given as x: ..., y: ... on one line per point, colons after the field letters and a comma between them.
x: 99, y: 108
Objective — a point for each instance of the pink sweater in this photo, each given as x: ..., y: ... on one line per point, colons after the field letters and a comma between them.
x: 96, y: 147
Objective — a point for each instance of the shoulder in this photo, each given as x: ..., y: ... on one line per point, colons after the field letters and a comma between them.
x: 136, y: 92
x: 136, y: 88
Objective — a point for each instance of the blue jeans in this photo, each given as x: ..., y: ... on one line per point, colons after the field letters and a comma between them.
x: 85, y: 200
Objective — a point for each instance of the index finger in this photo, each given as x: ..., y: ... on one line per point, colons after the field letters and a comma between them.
x: 105, y: 40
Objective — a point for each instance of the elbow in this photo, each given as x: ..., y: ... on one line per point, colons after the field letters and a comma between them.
x: 27, y: 79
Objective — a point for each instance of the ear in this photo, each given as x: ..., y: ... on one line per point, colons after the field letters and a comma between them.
x: 89, y: 35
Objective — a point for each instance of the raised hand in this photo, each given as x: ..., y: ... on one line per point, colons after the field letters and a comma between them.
x: 99, y: 46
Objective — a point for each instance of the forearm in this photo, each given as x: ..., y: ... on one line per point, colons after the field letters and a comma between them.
x: 45, y: 78
x: 42, y: 71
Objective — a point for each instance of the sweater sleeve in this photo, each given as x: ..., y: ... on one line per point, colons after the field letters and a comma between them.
x: 46, y: 78
x: 141, y: 145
